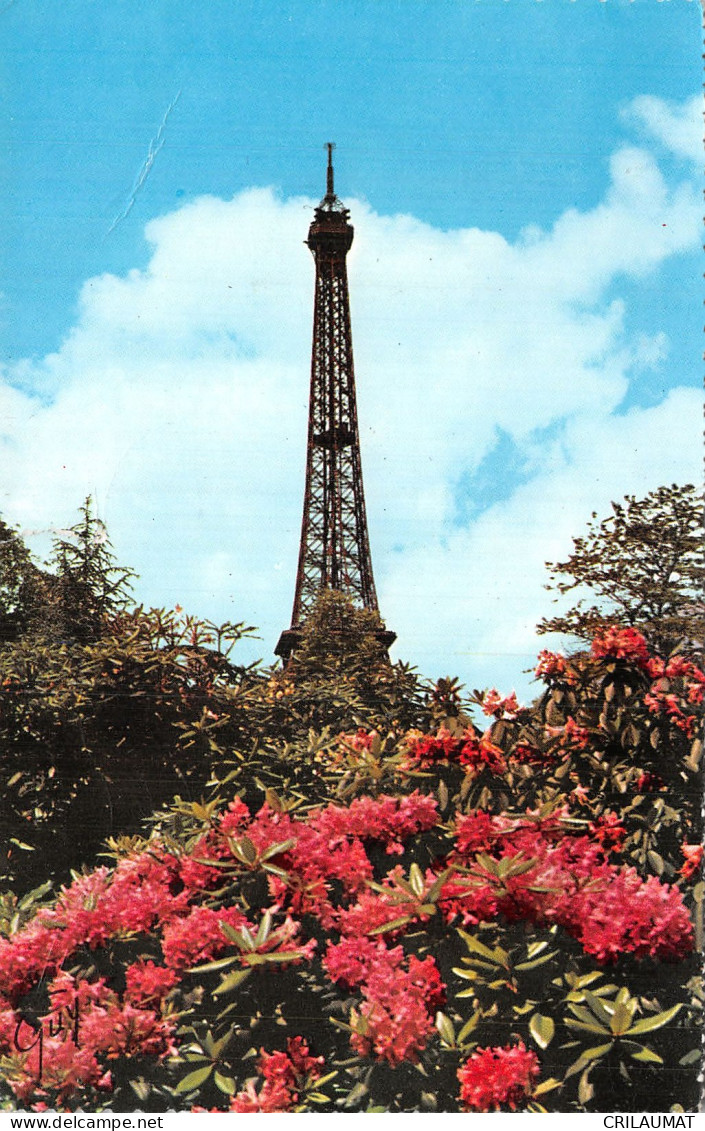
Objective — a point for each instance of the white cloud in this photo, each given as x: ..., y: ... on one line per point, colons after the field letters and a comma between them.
x: 677, y: 125
x: 180, y: 401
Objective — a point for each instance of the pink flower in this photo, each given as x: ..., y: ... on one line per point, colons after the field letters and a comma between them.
x: 286, y: 1075
x: 553, y: 666
x: 198, y: 937
x: 147, y: 983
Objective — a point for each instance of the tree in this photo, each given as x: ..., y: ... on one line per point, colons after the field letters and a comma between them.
x: 106, y: 709
x: 644, y: 564
x: 340, y: 674
x: 24, y: 588
x: 88, y: 585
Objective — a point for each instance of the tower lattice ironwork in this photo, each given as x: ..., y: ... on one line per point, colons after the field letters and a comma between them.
x: 335, y: 551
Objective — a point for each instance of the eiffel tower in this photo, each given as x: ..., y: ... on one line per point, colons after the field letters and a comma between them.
x: 334, y: 551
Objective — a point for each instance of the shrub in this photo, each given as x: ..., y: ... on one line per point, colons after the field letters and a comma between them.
x: 445, y: 920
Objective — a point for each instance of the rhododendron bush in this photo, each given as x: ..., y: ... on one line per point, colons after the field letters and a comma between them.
x: 494, y: 917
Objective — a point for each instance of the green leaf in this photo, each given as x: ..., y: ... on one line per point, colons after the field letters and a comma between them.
x: 208, y: 863
x: 264, y: 928
x: 244, y: 849
x: 391, y: 926
x: 476, y: 947
x: 243, y: 939
x: 536, y: 948
x: 435, y: 889
x: 655, y: 861
x: 692, y: 1057
x: 278, y: 848
x: 648, y: 1024
x: 357, y: 1093
x: 276, y: 956
x: 621, y: 1019
x: 584, y: 1027
x: 275, y: 870
x: 194, y: 1079
x: 468, y: 975
x: 585, y: 1088
x: 469, y: 1027
x: 226, y: 1084
x: 533, y: 963
x: 445, y: 1028
x: 542, y: 1030
x: 588, y: 1018
x: 231, y: 982
x: 325, y: 1079
x: 416, y: 880
x: 647, y: 1055
x: 546, y: 1086
x: 598, y: 1007
x: 596, y: 1051
x: 219, y: 964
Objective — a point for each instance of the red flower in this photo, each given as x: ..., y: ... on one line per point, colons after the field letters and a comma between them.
x: 615, y: 643
x: 496, y: 1078
x: 693, y: 858
x: 426, y: 750
x: 553, y: 666
x: 647, y: 781
x: 608, y: 831
x: 285, y: 1074
x: 480, y: 754
x: 495, y: 704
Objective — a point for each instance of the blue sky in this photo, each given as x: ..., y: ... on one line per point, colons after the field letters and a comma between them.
x: 511, y: 165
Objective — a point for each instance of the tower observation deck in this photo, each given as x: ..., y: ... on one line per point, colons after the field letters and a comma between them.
x: 334, y: 552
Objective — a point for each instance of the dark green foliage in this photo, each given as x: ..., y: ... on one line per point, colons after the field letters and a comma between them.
x: 24, y: 588
x: 341, y: 677
x: 107, y: 709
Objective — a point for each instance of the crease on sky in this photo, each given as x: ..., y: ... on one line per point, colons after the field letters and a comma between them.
x: 155, y: 145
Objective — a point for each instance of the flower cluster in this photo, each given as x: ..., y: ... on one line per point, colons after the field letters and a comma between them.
x: 498, y: 1078
x: 400, y: 995
x: 693, y: 854
x: 480, y: 754
x: 500, y: 707
x: 469, y: 750
x: 608, y: 831
x: 615, y: 643
x: 570, y: 736
x: 322, y: 869
x: 662, y: 698
x: 552, y: 666
x: 322, y: 889
x: 87, y: 1023
x: 285, y: 1075
x: 425, y: 750
x: 609, y: 909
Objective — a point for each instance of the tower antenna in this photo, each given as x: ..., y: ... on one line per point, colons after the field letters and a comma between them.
x: 330, y: 191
